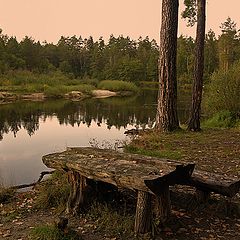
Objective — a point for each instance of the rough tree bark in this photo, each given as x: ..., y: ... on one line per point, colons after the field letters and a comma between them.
x: 143, y: 219
x: 167, y: 118
x: 194, y: 119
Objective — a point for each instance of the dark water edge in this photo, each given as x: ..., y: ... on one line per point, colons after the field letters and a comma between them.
x: 28, y: 130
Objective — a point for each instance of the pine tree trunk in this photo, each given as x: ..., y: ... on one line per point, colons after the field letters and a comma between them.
x: 194, y: 119
x: 167, y: 118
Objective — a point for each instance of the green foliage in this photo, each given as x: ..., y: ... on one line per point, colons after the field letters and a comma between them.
x: 223, y: 119
x: 122, y: 58
x: 54, y: 92
x: 51, y: 232
x: 75, y: 59
x: 190, y: 12
x: 54, y: 192
x: 228, y: 44
x: 210, y: 53
x: 223, y: 91
x: 54, y: 84
x: 118, y: 86
x: 90, y: 81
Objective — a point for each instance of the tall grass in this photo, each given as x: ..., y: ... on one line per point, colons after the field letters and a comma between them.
x: 111, y: 221
x: 59, y: 91
x: 52, y: 84
x: 223, y: 119
x: 118, y: 86
x: 54, y: 192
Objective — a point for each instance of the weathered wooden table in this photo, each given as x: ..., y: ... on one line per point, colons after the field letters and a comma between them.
x: 150, y: 177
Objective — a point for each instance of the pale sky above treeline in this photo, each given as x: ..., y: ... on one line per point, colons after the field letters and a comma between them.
x: 50, y: 19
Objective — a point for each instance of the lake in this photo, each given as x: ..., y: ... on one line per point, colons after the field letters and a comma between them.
x: 29, y: 130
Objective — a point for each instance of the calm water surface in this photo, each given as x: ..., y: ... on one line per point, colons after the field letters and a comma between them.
x: 29, y: 130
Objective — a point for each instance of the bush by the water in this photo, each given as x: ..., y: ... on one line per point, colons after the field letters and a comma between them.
x: 223, y: 119
x: 118, y: 86
x: 53, y: 84
x: 223, y: 91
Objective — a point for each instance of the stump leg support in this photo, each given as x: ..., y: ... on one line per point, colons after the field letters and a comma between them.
x: 79, y: 203
x: 77, y: 188
x: 163, y: 205
x: 72, y: 191
x: 143, y: 218
x: 202, y: 196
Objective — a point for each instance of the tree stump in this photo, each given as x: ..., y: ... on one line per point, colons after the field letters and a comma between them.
x: 202, y: 196
x: 77, y: 191
x: 162, y: 208
x: 143, y: 218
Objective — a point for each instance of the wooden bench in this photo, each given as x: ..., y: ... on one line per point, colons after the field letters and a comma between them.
x: 122, y: 170
x: 149, y: 176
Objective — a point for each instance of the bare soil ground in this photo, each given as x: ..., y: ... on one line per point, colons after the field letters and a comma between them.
x: 217, y: 151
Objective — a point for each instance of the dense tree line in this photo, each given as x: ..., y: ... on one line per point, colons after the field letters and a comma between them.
x: 118, y: 58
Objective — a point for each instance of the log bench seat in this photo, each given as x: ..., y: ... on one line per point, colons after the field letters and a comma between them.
x: 149, y: 176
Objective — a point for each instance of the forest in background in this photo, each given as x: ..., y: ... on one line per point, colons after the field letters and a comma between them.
x: 120, y: 58
x: 79, y: 64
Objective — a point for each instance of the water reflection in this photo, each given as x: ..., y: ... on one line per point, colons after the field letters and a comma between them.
x: 118, y: 112
x: 28, y: 130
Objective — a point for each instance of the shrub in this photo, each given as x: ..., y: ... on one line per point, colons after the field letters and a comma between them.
x: 91, y: 81
x: 117, y: 86
x: 84, y: 88
x: 223, y: 91
x: 54, y: 92
x: 223, y: 119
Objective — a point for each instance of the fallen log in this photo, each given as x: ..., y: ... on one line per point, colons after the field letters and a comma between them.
x: 211, y: 182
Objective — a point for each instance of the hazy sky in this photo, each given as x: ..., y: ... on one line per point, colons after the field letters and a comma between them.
x: 49, y: 19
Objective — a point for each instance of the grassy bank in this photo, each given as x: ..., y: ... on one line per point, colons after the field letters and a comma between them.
x: 212, y: 149
x: 52, y: 85
x: 56, y: 84
x: 118, y: 86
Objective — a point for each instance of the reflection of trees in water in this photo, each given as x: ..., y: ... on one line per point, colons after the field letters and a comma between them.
x: 13, y: 117
x: 118, y: 112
